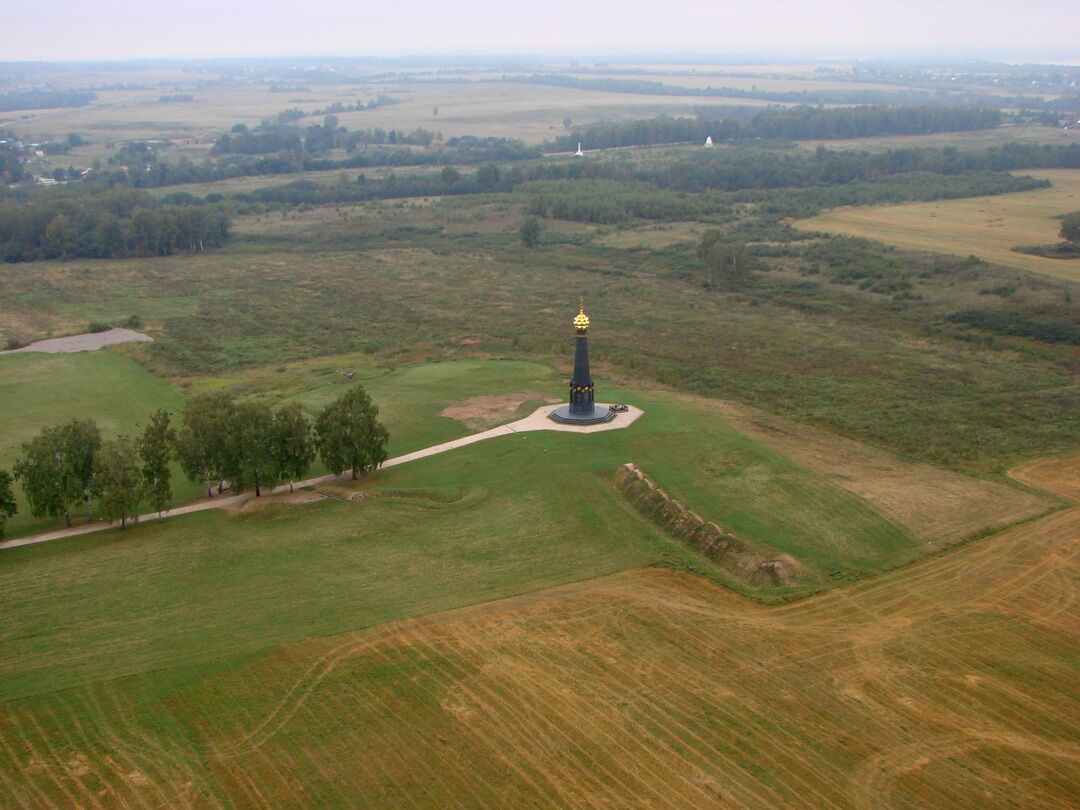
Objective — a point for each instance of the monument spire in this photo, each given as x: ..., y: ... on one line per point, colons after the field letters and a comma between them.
x: 582, y: 409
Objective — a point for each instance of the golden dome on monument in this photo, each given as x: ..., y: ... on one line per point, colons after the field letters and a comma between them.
x: 581, y: 320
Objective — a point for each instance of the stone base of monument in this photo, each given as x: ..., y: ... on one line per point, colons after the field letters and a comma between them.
x: 597, y: 415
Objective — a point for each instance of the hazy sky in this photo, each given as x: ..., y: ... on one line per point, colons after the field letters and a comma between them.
x: 111, y: 29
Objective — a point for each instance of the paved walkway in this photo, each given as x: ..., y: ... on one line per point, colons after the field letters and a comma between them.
x: 537, y: 420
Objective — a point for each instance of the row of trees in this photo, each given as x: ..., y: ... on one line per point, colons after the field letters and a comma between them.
x: 611, y: 201
x: 68, y: 467
x: 318, y: 139
x: 287, y: 152
x: 44, y: 99
x: 244, y: 445
x: 750, y: 167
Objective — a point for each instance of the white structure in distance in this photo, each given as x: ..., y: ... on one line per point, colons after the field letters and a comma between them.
x: 579, y: 153
x: 708, y: 141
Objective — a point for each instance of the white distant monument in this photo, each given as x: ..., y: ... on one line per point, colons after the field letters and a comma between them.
x: 579, y: 153
x: 708, y: 141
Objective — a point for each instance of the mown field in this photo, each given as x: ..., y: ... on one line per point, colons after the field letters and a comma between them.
x: 947, y: 683
x: 987, y: 227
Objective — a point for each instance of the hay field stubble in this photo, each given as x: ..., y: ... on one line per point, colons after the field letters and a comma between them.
x: 987, y: 227
x: 950, y: 683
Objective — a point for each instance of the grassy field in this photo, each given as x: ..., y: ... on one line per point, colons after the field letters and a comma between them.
x: 410, y: 398
x: 947, y: 683
x: 509, y: 515
x: 987, y: 227
x: 109, y: 387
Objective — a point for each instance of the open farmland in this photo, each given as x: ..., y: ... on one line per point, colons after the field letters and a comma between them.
x: 832, y: 563
x: 987, y: 227
x: 947, y: 683
x: 532, y: 113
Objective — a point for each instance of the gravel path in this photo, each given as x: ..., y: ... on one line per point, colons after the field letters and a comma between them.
x: 537, y: 420
x: 91, y: 341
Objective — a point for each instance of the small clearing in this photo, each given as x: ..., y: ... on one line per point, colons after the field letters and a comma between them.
x: 482, y: 412
x: 88, y: 342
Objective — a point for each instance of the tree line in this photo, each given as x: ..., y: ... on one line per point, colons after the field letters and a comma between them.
x: 288, y: 153
x: 798, y: 123
x: 752, y: 167
x: 116, y: 223
x: 650, y: 87
x: 246, y: 446
x: 44, y: 99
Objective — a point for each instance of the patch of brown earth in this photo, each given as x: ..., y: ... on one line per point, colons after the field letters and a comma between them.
x: 933, y: 504
x: 300, y: 496
x: 482, y: 412
x: 1058, y: 475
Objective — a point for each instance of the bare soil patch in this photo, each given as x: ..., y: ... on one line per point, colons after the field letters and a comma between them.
x: 88, y: 342
x: 300, y: 496
x: 480, y: 413
x: 1058, y: 475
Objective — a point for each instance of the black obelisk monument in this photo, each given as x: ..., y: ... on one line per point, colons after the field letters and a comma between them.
x: 581, y: 410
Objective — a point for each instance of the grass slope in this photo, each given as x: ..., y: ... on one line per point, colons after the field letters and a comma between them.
x: 512, y: 514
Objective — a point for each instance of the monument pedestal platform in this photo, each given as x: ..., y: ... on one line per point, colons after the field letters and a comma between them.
x: 597, y: 415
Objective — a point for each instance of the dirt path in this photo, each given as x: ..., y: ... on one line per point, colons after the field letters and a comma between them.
x: 535, y: 421
x: 87, y: 342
